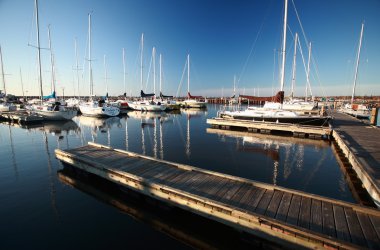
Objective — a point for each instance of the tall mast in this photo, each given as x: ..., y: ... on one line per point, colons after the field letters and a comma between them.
x: 234, y: 85
x: 39, y: 51
x: 77, y: 66
x: 125, y: 89
x: 22, y: 84
x: 294, y: 65
x: 188, y: 74
x: 357, y: 64
x: 141, y: 60
x: 284, y: 46
x: 105, y: 74
x: 51, y: 63
x: 308, y: 73
x: 2, y: 72
x: 160, y: 73
x: 89, y: 56
x: 154, y: 69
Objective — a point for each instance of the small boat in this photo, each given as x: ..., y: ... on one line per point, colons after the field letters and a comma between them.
x: 96, y: 108
x: 49, y: 111
x: 192, y: 101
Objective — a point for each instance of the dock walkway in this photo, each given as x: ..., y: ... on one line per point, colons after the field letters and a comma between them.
x: 361, y: 145
x: 288, y: 217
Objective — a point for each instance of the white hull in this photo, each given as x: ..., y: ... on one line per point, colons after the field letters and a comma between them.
x: 93, y: 109
x: 146, y: 106
x: 5, y: 107
x: 191, y: 103
x: 57, y: 115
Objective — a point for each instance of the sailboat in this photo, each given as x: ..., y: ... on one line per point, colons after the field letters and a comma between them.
x: 192, y: 101
x: 98, y: 108
x: 122, y: 103
x: 272, y: 110
x: 147, y: 104
x: 357, y: 110
x: 233, y: 99
x: 50, y: 111
x: 4, y: 104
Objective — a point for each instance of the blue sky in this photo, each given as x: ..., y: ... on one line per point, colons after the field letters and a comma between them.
x: 224, y: 38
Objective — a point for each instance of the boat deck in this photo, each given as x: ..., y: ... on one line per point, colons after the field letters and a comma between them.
x: 288, y: 217
x: 20, y: 116
x: 361, y: 145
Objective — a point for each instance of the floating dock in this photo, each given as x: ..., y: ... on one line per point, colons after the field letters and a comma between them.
x: 297, y: 130
x: 20, y: 116
x: 291, y: 218
x: 360, y: 144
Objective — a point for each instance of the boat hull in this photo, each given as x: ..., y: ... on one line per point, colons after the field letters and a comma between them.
x: 59, y: 115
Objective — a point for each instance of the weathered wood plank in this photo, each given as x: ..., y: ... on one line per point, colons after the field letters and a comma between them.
x: 328, y: 219
x: 282, y: 211
x: 376, y: 224
x: 252, y: 199
x: 227, y: 196
x: 144, y: 166
x: 341, y: 226
x: 294, y: 210
x: 356, y: 232
x: 305, y: 213
x: 236, y: 198
x: 316, y: 216
x: 274, y: 203
x: 264, y: 202
x: 369, y: 232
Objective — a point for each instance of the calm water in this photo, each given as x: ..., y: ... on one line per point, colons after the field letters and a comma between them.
x: 39, y: 209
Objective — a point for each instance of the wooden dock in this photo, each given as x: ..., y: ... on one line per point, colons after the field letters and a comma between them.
x: 20, y: 116
x: 360, y: 143
x: 291, y: 218
x: 297, y: 130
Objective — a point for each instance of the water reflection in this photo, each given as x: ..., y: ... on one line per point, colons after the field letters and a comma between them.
x: 291, y: 150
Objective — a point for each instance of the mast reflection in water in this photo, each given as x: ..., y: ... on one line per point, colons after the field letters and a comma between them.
x: 39, y: 210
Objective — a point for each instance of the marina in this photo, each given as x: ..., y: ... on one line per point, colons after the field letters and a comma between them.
x: 254, y: 143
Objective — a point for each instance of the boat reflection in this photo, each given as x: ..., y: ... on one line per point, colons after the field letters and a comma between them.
x: 185, y: 227
x: 291, y: 150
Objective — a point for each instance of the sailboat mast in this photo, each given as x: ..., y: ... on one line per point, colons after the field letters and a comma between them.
x: 51, y: 62
x: 77, y: 66
x: 89, y: 56
x: 284, y: 46
x: 188, y: 74
x: 154, y: 69
x: 22, y: 84
x: 2, y: 72
x: 357, y: 63
x: 39, y: 51
x: 234, y: 85
x: 105, y: 74
x: 141, y: 60
x: 308, y: 73
x: 160, y: 73
x: 294, y: 65
x: 125, y: 89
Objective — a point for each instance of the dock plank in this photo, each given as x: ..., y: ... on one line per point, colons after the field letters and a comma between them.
x: 294, y: 210
x: 316, y: 216
x: 341, y: 226
x: 252, y: 199
x: 369, y: 232
x: 328, y: 219
x: 274, y: 203
x: 264, y: 202
x: 282, y: 212
x: 356, y: 232
x: 305, y: 213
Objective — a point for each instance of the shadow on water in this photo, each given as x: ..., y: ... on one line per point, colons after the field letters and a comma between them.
x: 190, y: 229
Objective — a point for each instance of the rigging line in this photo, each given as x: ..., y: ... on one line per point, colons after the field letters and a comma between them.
x: 147, y: 78
x: 299, y: 21
x: 180, y: 83
x: 253, y: 46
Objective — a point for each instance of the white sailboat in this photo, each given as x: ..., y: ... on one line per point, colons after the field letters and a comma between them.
x: 357, y: 110
x: 50, y: 111
x: 192, y: 101
x: 145, y: 104
x: 96, y: 108
x: 273, y: 110
x: 5, y: 106
x: 122, y: 103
